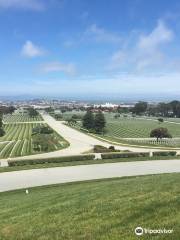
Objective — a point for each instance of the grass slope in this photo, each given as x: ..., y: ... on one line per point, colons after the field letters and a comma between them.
x: 96, y: 210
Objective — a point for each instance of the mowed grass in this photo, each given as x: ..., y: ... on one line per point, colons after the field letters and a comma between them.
x: 18, y: 140
x: 8, y: 118
x: 118, y: 129
x: 137, y: 128
x: 96, y: 210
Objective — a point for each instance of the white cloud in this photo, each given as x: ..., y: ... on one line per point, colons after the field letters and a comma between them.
x: 144, y: 51
x: 31, y: 50
x: 101, y: 35
x: 22, y: 4
x: 161, y: 34
x: 59, y: 67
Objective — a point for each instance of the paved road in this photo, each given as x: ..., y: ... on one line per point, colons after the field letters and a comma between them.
x: 40, y: 177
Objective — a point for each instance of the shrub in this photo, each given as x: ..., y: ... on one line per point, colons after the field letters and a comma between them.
x: 168, y: 153
x: 42, y: 130
x: 2, y: 132
x: 13, y: 163
x: 124, y: 155
x: 112, y: 148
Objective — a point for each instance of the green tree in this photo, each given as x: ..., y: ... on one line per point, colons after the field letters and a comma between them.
x: 140, y: 108
x: 71, y: 121
x: 88, y: 120
x: 32, y: 112
x: 160, y: 133
x: 161, y: 120
x: 2, y: 132
x: 99, y: 122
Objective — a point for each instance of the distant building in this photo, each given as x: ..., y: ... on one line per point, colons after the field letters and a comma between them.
x: 106, y: 105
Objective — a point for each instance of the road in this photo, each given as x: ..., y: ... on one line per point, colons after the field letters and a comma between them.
x: 40, y: 177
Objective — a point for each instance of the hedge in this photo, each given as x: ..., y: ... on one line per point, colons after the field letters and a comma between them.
x: 13, y: 163
x: 168, y: 153
x: 124, y: 155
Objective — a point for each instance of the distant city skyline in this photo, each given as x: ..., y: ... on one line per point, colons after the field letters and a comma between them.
x: 88, y: 49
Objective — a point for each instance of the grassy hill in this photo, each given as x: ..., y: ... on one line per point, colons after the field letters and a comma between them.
x: 97, y: 210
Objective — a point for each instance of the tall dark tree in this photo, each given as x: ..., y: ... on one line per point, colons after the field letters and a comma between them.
x: 2, y: 132
x: 99, y: 122
x: 163, y: 109
x: 140, y: 108
x: 88, y: 120
x: 160, y: 133
x: 33, y: 112
x: 174, y: 105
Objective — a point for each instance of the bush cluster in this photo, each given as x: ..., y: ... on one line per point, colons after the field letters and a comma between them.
x: 124, y: 155
x: 102, y: 149
x: 13, y: 163
x: 168, y: 153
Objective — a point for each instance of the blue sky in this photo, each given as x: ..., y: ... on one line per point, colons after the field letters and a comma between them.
x: 89, y: 47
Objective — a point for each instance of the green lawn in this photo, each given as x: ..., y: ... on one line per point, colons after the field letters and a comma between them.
x: 127, y: 127
x: 20, y: 140
x: 20, y: 118
x: 67, y: 115
x: 137, y: 128
x: 96, y: 210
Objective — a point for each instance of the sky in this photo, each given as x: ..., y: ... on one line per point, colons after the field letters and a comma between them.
x: 90, y: 48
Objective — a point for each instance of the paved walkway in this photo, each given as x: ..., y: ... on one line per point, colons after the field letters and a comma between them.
x: 40, y: 177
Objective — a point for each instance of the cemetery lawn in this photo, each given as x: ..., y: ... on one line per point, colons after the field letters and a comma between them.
x: 104, y: 209
x: 18, y: 140
x: 138, y: 130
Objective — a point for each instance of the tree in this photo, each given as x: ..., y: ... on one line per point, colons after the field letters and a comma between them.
x: 2, y: 132
x: 160, y: 133
x: 99, y: 122
x: 88, y: 120
x: 72, y: 121
x: 1, y: 123
x: 117, y: 116
x: 174, y: 106
x: 58, y: 116
x: 7, y: 110
x: 161, y: 120
x: 42, y: 130
x: 140, y: 108
x: 32, y: 112
x: 163, y: 109
x: 11, y: 109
